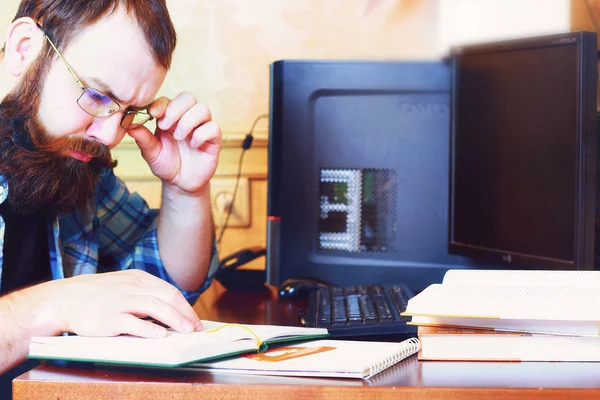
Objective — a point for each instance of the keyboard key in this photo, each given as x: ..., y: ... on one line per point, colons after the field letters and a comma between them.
x: 399, y: 298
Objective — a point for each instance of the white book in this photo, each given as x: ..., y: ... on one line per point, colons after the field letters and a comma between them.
x: 468, y: 344
x: 551, y: 302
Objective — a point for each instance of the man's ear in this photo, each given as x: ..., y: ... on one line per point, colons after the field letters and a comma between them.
x: 24, y: 41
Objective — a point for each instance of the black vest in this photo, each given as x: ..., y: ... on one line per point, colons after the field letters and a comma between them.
x: 26, y: 259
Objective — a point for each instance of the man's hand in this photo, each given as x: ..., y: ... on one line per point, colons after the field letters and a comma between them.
x: 106, y: 304
x: 113, y: 303
x: 184, y: 150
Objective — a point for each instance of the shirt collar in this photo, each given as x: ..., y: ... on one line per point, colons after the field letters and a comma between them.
x: 3, y: 189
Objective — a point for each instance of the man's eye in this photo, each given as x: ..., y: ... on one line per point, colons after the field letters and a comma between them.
x: 97, y: 96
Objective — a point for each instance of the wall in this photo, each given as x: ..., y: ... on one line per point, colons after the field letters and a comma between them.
x: 467, y: 21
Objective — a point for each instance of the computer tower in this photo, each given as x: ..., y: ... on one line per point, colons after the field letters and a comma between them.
x: 358, y: 172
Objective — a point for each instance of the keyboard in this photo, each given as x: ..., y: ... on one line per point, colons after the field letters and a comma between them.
x: 366, y: 310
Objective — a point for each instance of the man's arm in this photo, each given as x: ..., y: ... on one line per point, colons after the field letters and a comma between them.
x: 22, y: 316
x: 185, y: 235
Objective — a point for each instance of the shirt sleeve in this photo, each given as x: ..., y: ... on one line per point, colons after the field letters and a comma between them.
x: 128, y: 236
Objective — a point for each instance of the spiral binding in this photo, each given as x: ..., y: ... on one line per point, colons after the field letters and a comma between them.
x: 410, y: 346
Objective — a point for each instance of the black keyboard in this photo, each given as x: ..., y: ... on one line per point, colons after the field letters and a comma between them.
x: 360, y: 310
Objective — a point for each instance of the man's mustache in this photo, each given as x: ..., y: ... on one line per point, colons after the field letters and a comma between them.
x: 99, y: 151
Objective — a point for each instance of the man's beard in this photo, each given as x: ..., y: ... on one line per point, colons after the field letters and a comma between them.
x: 40, y: 176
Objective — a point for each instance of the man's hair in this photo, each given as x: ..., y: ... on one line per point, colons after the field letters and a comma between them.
x: 64, y: 19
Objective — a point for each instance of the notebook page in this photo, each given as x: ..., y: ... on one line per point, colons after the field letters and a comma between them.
x: 522, y: 278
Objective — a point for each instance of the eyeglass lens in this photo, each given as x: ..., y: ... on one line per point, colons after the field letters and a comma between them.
x: 97, y: 104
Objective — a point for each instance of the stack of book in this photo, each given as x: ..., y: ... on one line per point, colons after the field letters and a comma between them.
x: 509, y: 315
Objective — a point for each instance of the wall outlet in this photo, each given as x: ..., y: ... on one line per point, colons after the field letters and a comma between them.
x: 221, y: 195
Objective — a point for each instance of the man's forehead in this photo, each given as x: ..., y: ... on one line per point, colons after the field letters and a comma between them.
x: 114, y: 53
x: 115, y: 34
x: 118, y: 21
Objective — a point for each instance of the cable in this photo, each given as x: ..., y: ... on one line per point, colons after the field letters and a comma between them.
x: 245, y: 146
x: 589, y: 9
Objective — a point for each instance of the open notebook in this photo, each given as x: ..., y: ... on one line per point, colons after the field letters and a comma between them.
x: 217, y: 340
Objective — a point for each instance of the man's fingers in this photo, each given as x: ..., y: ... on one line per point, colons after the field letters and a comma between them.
x: 173, y: 110
x: 160, y: 311
x: 142, y: 136
x: 158, y: 107
x: 151, y: 286
x: 208, y: 137
x: 148, y: 143
x: 131, y: 325
x: 115, y: 303
x: 192, y: 118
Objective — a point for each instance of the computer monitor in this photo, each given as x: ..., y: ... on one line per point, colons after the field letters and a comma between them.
x: 358, y: 172
x: 523, y: 152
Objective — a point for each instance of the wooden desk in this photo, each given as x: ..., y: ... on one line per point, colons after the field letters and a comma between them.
x: 409, y: 379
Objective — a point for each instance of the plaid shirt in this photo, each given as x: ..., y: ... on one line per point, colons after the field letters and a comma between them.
x: 117, y: 231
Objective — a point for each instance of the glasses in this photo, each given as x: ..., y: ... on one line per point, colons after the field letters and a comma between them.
x: 101, y: 105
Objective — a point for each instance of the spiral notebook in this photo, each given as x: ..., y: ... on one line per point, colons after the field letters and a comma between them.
x: 319, y: 358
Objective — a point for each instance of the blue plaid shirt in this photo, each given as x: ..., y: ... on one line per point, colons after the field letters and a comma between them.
x: 117, y: 231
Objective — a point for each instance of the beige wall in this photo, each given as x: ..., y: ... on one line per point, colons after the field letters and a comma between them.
x: 466, y: 21
x: 227, y: 45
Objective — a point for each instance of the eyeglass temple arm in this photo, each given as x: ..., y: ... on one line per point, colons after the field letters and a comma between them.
x: 62, y: 58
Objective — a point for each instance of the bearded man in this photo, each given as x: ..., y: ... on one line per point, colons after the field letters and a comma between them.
x: 79, y: 252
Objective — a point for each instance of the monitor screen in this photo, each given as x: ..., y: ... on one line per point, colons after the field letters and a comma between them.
x: 358, y: 172
x: 523, y: 152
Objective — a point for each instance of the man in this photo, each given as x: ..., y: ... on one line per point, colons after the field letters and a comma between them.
x: 75, y: 77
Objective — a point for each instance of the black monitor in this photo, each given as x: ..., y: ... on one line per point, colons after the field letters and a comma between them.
x: 358, y: 172
x: 523, y: 152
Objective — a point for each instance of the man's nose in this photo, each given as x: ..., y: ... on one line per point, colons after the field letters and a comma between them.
x: 107, y: 131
